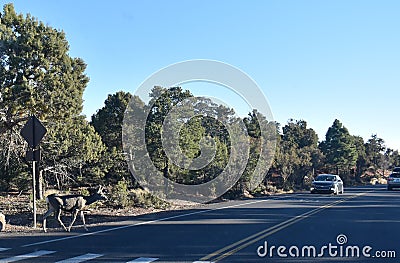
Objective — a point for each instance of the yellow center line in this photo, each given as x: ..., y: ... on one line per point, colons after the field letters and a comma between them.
x: 243, y: 243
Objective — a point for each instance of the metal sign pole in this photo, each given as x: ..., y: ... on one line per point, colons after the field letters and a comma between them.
x: 34, y: 192
x: 34, y: 178
x: 33, y: 132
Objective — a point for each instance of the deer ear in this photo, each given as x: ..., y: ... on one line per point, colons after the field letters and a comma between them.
x: 100, y: 188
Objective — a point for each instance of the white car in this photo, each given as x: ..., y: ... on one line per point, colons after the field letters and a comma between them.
x: 394, y: 179
x: 327, y: 183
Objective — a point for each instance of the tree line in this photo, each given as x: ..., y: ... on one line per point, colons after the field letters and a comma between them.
x: 38, y: 76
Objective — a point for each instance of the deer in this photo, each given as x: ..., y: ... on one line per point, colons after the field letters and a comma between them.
x: 70, y: 203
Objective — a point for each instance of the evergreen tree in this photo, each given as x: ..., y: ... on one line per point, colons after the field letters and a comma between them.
x: 298, y: 150
x: 361, y: 163
x: 108, y: 122
x: 375, y: 147
x: 37, y: 76
x: 339, y: 148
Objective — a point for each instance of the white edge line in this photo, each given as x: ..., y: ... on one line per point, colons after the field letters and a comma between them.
x: 158, y: 220
x: 148, y: 222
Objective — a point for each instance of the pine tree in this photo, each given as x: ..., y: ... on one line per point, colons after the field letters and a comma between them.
x: 38, y: 76
x: 339, y: 148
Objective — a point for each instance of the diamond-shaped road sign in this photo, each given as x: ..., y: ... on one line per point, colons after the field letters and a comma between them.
x: 33, y: 132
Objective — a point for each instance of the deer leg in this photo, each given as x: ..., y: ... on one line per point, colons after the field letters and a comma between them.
x: 73, y: 218
x: 83, y: 220
x: 58, y: 216
x: 47, y: 214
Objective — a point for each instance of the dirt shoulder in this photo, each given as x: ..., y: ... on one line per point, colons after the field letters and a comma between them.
x: 18, y: 213
x: 19, y: 217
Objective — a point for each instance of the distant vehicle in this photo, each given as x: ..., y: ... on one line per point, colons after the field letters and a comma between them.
x: 327, y: 183
x: 394, y: 179
x: 396, y: 170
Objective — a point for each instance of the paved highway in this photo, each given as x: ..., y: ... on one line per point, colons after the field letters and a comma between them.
x: 362, y: 225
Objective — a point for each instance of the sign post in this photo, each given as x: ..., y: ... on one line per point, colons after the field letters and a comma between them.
x: 34, y: 192
x: 33, y: 132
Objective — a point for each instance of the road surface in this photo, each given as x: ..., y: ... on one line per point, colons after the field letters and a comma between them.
x: 362, y: 225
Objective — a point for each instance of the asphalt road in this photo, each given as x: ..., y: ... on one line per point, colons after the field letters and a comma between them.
x: 362, y: 225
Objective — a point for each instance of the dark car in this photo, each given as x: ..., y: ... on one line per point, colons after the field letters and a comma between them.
x: 327, y: 183
x: 394, y: 180
x: 396, y: 170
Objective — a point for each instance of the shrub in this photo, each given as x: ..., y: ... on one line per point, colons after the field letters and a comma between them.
x: 120, y: 196
x: 142, y: 198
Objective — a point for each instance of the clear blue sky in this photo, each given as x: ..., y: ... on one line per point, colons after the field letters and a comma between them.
x: 314, y: 60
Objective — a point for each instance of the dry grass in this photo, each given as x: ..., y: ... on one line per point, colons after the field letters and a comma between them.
x: 18, y: 213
